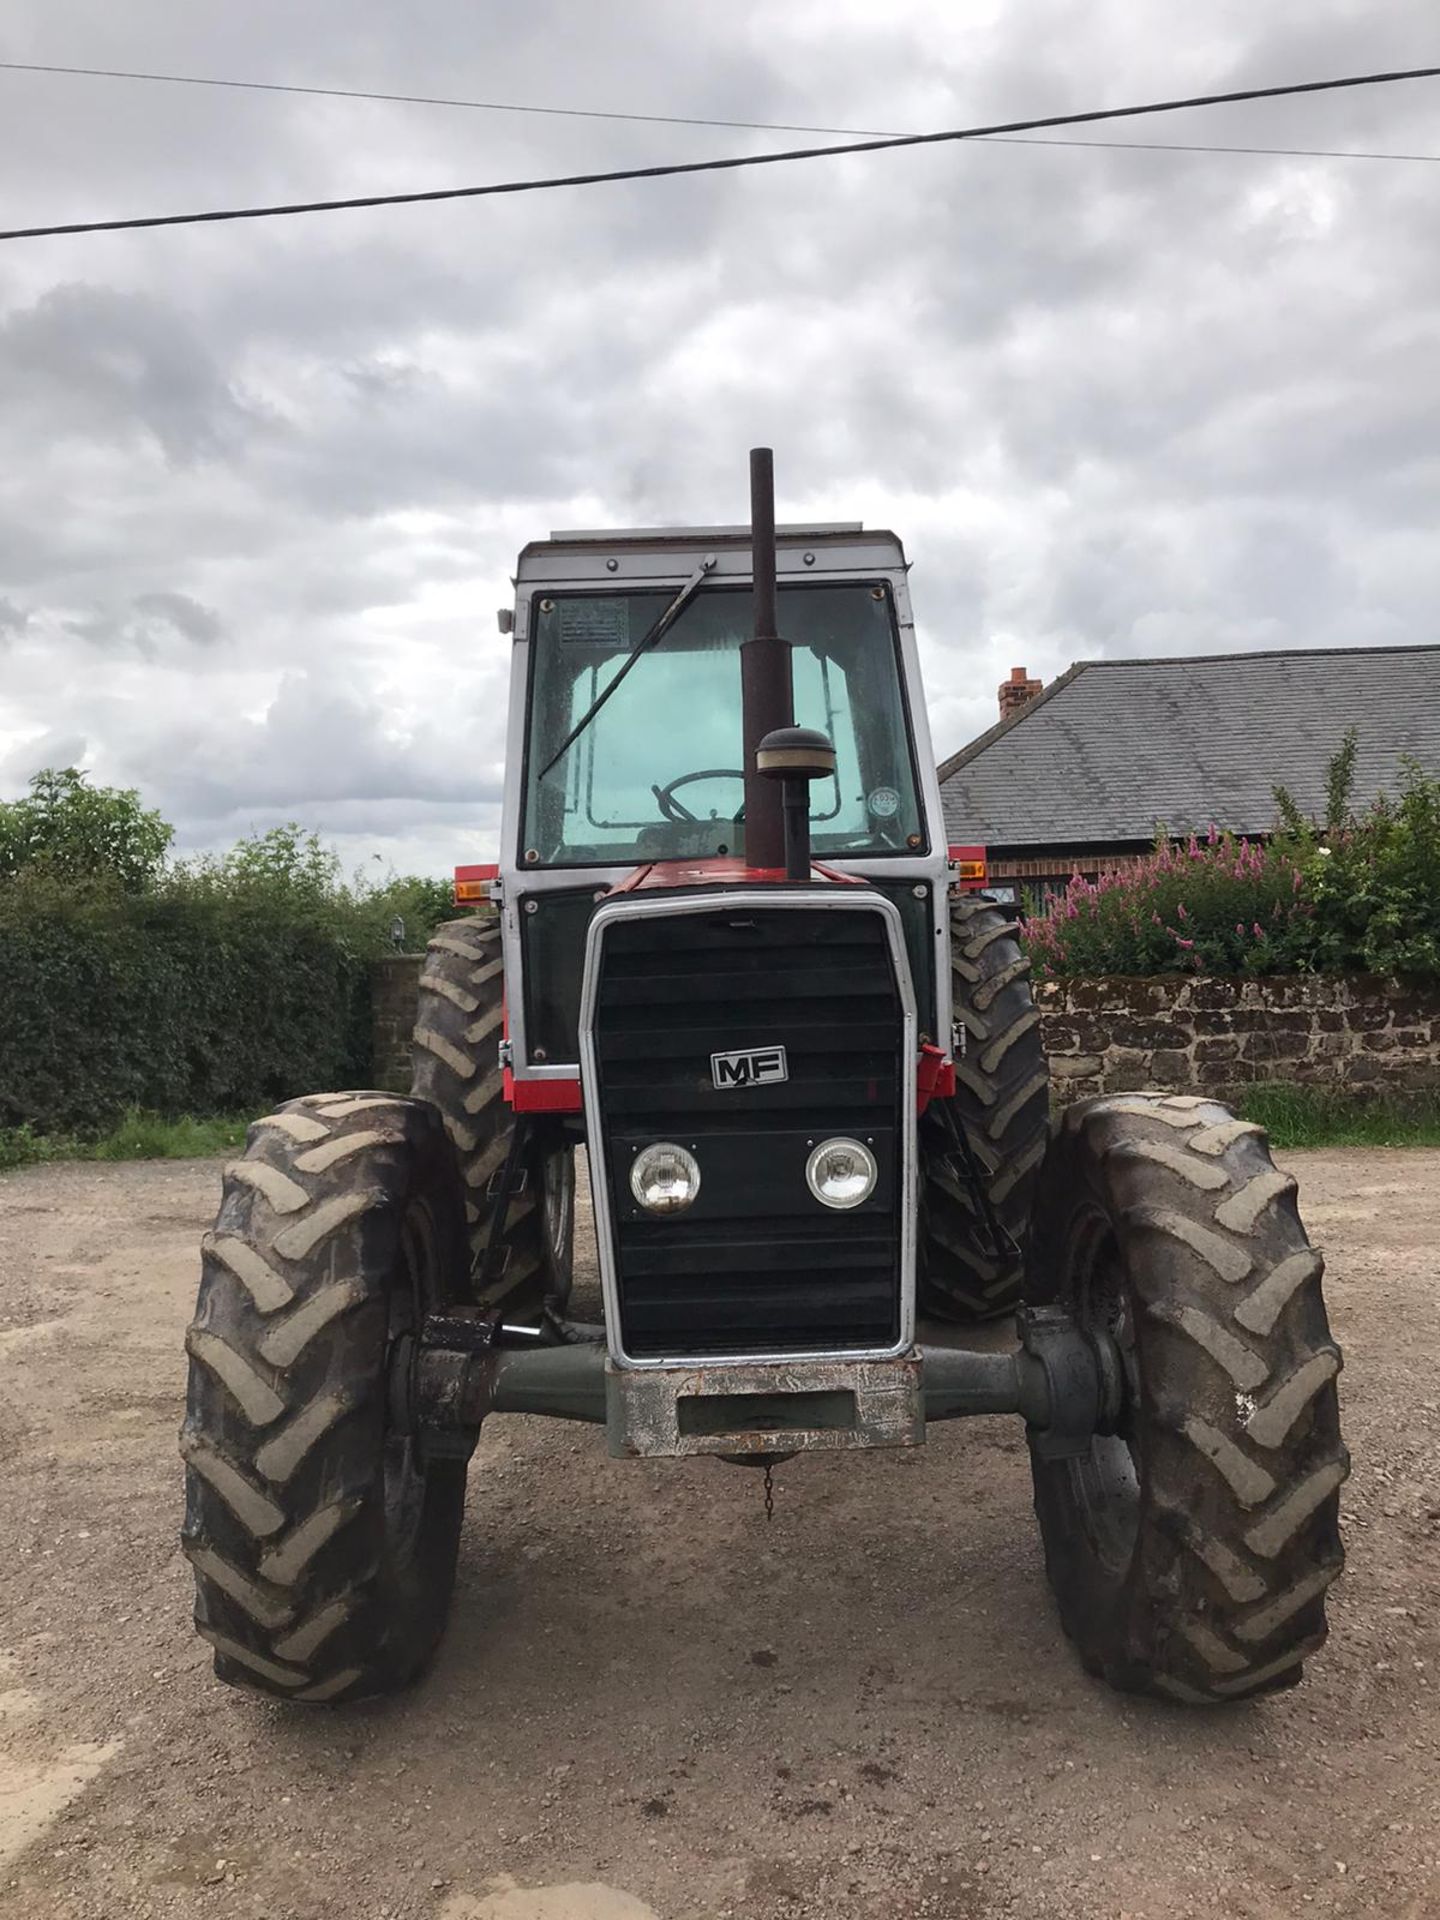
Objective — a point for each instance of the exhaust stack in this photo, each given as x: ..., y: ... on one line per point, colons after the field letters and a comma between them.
x: 766, y: 688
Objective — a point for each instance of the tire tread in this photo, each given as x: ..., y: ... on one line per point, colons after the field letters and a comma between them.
x: 1241, y: 1457
x: 455, y: 1055
x: 298, y: 1587
x: 1002, y: 1099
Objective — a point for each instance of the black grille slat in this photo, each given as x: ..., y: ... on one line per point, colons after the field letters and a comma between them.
x: 759, y: 1266
x: 656, y: 989
x: 740, y: 955
x: 689, y: 1323
x: 792, y: 1098
x: 730, y: 1260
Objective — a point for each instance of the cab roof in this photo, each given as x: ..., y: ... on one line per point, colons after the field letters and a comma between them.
x: 607, y: 536
x: 608, y: 556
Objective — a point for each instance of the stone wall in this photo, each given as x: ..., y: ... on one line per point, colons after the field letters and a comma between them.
x: 394, y: 984
x: 1353, y: 1032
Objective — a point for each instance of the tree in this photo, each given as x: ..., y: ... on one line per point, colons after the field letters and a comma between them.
x: 71, y: 831
x: 286, y: 862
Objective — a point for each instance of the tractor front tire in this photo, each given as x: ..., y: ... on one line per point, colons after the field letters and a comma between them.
x: 321, y: 1538
x: 1002, y: 1101
x: 1190, y: 1550
x: 458, y: 1027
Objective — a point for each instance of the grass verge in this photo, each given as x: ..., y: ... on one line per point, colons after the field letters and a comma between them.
x: 1293, y: 1116
x: 139, y: 1136
x: 1315, y: 1117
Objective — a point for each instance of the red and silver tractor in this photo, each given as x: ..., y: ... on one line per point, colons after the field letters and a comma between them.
x: 727, y: 952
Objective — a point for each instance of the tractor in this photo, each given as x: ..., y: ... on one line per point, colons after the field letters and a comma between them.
x: 729, y: 962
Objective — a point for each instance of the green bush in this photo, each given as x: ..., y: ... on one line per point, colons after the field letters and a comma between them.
x: 185, y: 999
x: 1372, y: 882
x: 217, y: 987
x: 1359, y: 893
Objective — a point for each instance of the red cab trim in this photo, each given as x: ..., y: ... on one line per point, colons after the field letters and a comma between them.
x: 721, y: 870
x: 542, y: 1096
x: 934, y: 1076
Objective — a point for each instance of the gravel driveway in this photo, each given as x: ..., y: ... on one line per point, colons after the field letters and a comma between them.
x: 652, y: 1703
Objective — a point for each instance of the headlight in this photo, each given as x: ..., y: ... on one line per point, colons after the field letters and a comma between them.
x: 665, y: 1178
x: 841, y: 1173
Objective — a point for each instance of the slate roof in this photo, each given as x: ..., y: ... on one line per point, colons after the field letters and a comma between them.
x: 1114, y: 748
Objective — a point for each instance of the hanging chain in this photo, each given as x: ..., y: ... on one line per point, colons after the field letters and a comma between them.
x: 769, y: 1491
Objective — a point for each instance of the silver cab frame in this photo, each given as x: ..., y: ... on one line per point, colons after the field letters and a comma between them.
x: 607, y: 562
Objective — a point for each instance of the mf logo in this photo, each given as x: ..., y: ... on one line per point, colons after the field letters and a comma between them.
x: 749, y: 1067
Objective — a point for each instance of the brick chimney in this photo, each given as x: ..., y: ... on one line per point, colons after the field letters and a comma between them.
x: 1017, y: 692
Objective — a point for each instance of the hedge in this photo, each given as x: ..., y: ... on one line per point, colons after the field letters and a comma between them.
x: 185, y: 1000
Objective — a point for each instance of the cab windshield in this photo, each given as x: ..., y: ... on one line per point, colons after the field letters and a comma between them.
x: 656, y: 774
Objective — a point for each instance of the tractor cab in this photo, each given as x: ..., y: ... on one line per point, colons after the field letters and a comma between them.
x: 639, y: 757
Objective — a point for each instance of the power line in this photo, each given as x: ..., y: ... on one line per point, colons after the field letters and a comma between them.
x: 673, y: 119
x: 1199, y: 146
x: 729, y: 164
x: 436, y: 100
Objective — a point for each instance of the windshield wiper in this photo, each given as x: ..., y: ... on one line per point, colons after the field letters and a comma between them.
x: 652, y: 639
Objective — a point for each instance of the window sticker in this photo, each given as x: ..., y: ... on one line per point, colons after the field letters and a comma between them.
x: 884, y: 803
x: 596, y: 623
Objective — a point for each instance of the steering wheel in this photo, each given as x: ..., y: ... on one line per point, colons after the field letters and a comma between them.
x: 674, y: 809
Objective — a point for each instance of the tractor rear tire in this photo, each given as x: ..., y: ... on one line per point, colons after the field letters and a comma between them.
x: 1002, y: 1100
x: 458, y: 1026
x: 322, y: 1540
x: 1191, y: 1549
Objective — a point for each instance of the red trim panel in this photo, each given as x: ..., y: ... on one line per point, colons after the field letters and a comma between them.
x: 542, y: 1096
x: 721, y: 870
x: 934, y: 1077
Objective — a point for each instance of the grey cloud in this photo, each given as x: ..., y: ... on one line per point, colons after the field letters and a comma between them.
x: 186, y: 616
x: 436, y: 835
x: 87, y: 358
x: 51, y: 749
x: 317, y: 745
x: 147, y: 625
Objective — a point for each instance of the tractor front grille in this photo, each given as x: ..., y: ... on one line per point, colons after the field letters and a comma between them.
x: 757, y: 1265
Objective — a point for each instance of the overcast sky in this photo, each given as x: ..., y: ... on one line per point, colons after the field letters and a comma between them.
x: 261, y: 485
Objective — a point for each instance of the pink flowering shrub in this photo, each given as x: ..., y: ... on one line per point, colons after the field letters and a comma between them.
x: 1216, y: 906
x: 1360, y: 893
